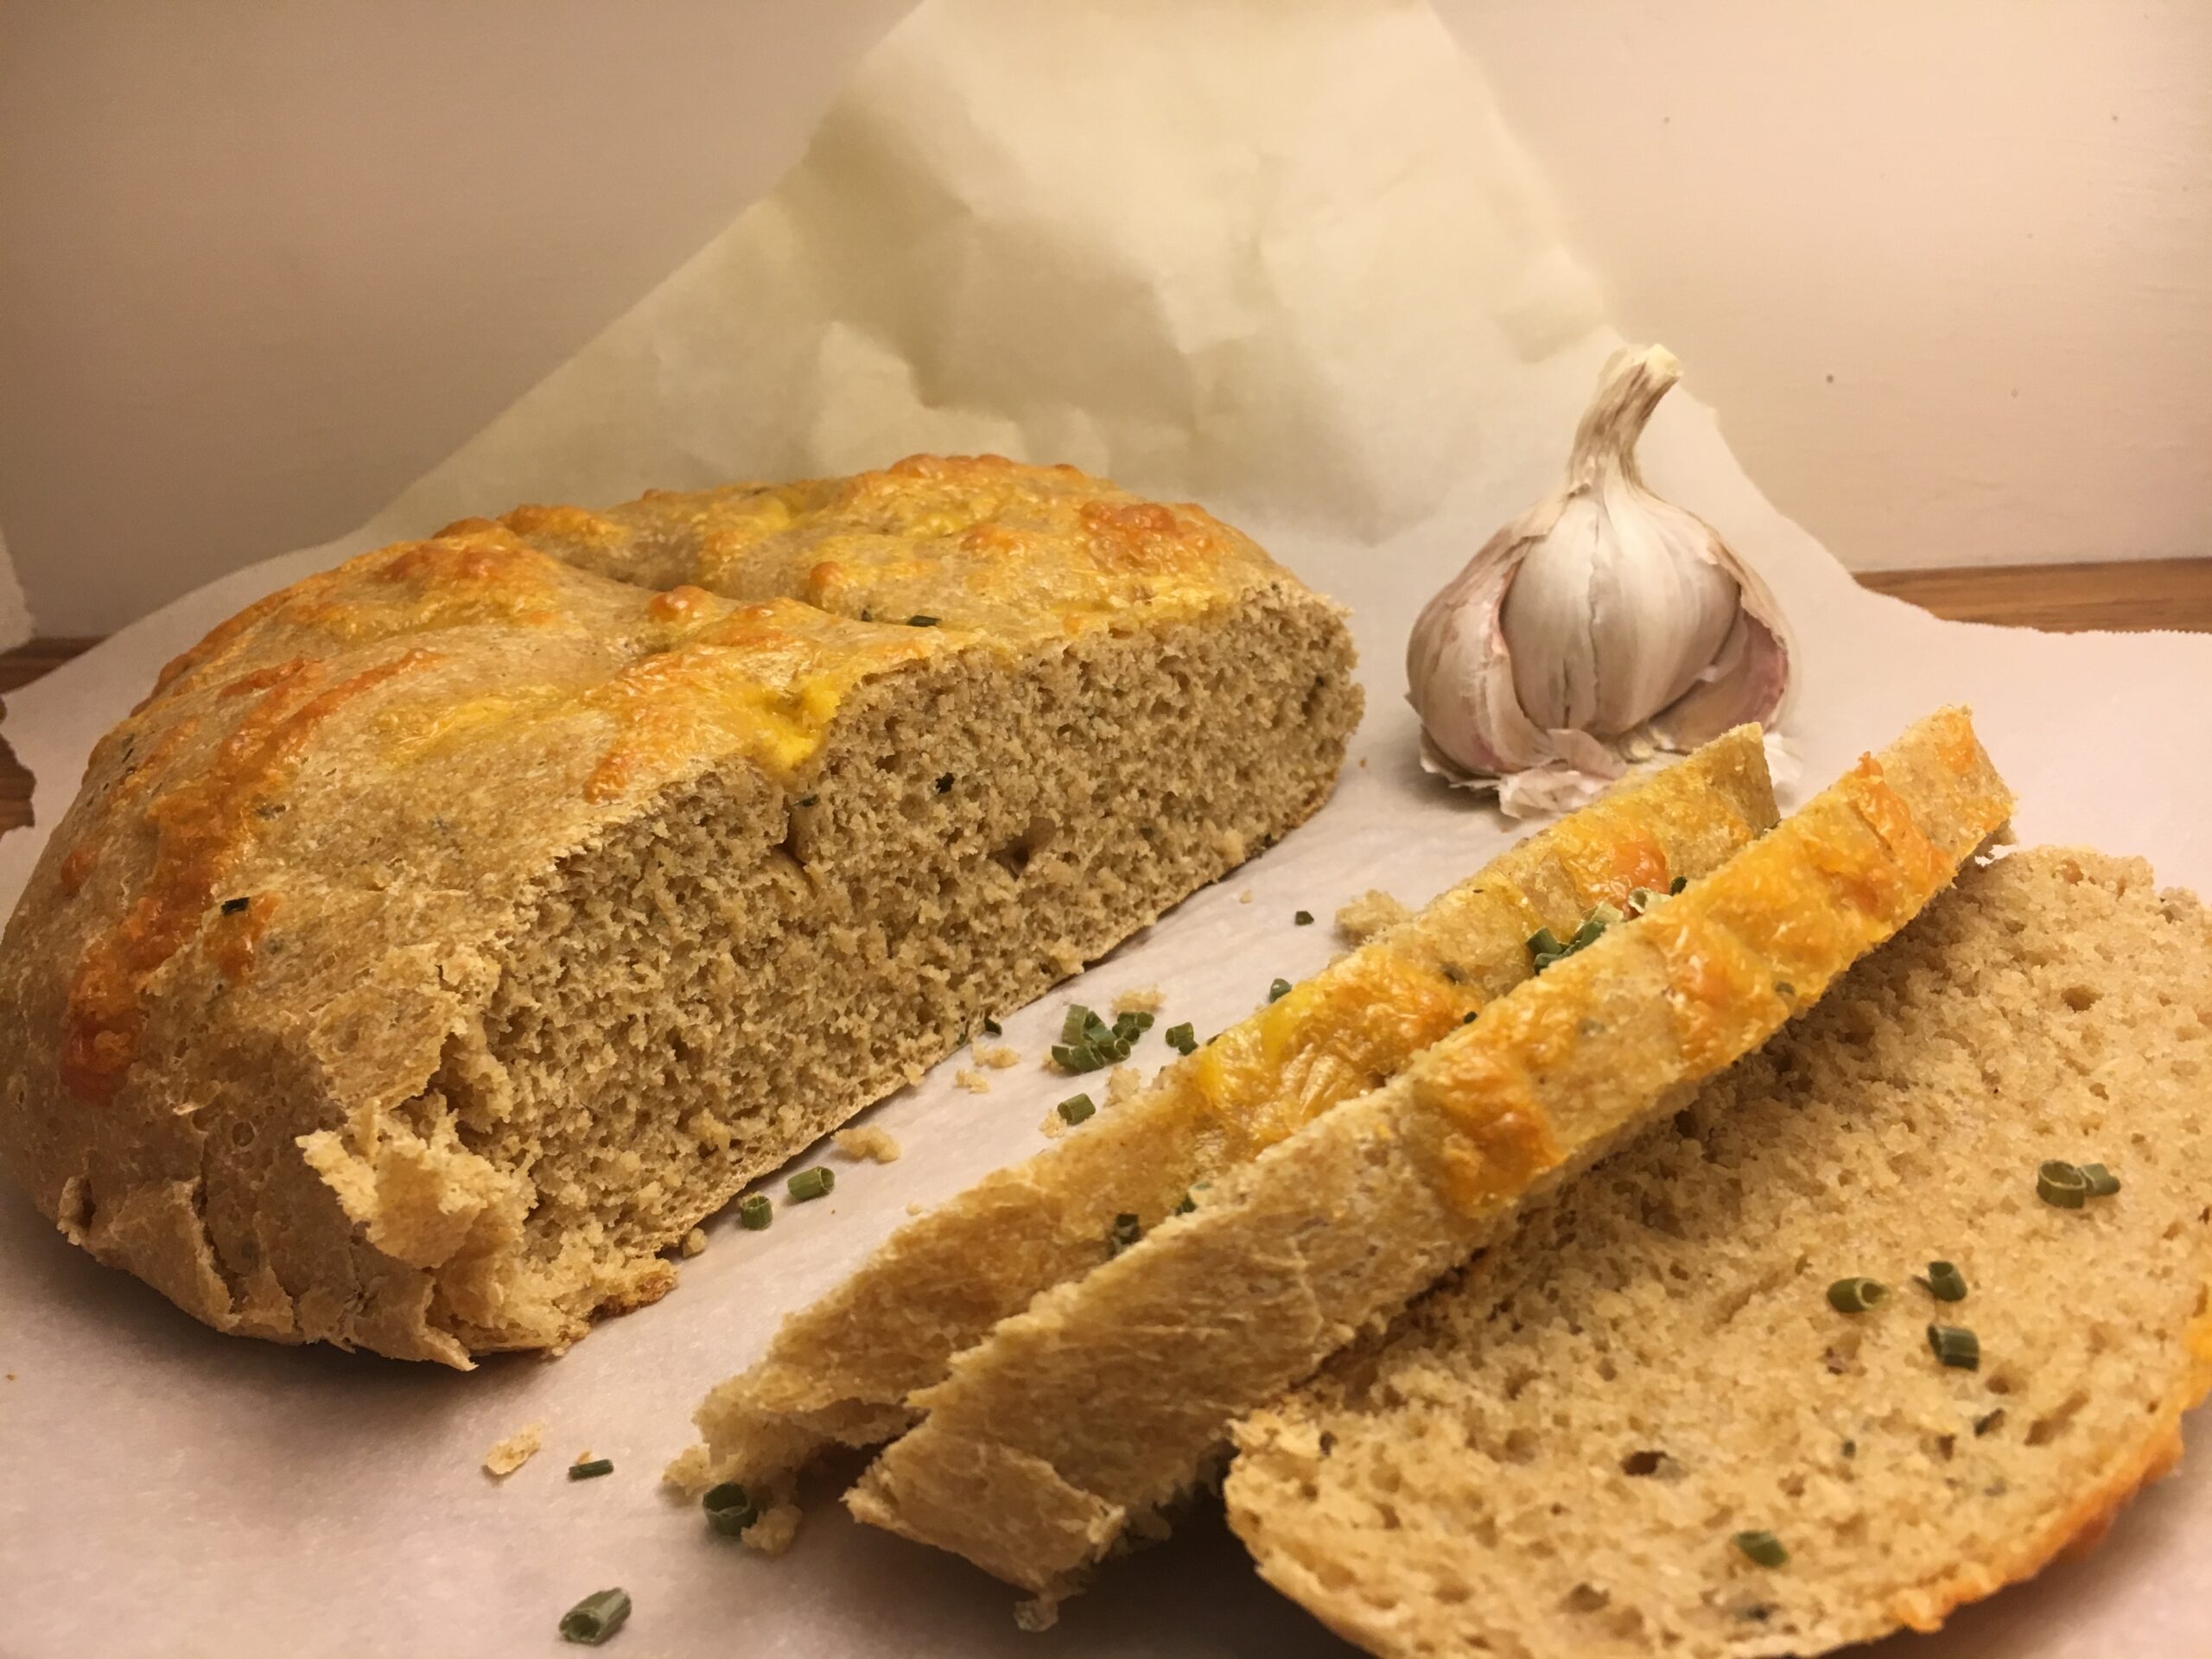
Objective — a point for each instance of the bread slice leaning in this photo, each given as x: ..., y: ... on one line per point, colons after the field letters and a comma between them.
x: 1079, y: 1418
x: 1553, y: 1454
x: 842, y: 1370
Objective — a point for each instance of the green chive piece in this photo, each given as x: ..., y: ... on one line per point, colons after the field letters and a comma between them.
x: 1182, y: 1039
x: 730, y: 1508
x: 1955, y: 1346
x: 1076, y: 1056
x: 1468, y: 1018
x: 1544, y: 943
x: 1302, y: 918
x: 1857, y: 1295
x: 1186, y: 1204
x: 591, y: 1470
x: 1945, y: 1282
x: 2102, y: 1182
x: 232, y: 906
x: 991, y: 1027
x: 867, y: 615
x: 2059, y: 1183
x: 594, y: 1618
x: 1074, y: 1108
x: 811, y: 1184
x: 1677, y: 885
x: 755, y: 1212
x: 1076, y: 1023
x: 1127, y: 1231
x: 918, y: 620
x: 1278, y: 990
x: 1761, y: 1546
x: 1784, y: 987
x: 1988, y: 1420
x: 808, y: 800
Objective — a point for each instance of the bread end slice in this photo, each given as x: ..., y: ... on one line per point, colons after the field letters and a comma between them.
x: 1553, y: 1452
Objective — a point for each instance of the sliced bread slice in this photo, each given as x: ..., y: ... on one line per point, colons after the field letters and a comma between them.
x: 1079, y: 1418
x: 1570, y: 1448
x: 840, y: 1371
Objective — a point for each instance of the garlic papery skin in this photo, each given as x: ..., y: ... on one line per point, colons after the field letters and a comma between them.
x: 1602, y: 624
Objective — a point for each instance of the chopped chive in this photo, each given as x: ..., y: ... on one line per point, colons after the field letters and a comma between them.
x: 918, y: 620
x: 730, y: 1508
x: 1278, y: 990
x: 1639, y: 900
x: 594, y: 1618
x: 808, y: 800
x: 231, y: 906
x: 1544, y: 943
x: 1182, y: 1039
x: 1857, y: 1295
x: 2102, y: 1182
x: 1761, y: 1546
x: 1076, y: 1023
x: 1077, y: 1057
x: 1944, y: 1282
x: 1127, y: 1231
x: 1468, y: 1018
x: 1677, y: 885
x: 1988, y: 1420
x: 1186, y: 1204
x: 1301, y: 919
x: 2060, y: 1184
x: 1851, y: 1448
x: 755, y: 1212
x: 1128, y: 1028
x: 867, y: 615
x: 1074, y: 1108
x: 592, y: 1470
x: 944, y: 783
x: 1955, y: 1346
x: 811, y: 1184
x: 991, y: 1027
x: 1784, y: 987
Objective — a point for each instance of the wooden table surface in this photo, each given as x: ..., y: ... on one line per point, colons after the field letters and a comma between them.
x: 2129, y: 596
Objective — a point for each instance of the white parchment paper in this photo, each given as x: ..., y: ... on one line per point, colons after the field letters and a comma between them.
x: 1283, y: 260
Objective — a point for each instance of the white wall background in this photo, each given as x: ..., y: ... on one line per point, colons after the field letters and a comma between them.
x: 1946, y: 271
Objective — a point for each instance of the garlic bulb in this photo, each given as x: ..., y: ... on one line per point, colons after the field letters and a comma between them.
x: 1600, y: 625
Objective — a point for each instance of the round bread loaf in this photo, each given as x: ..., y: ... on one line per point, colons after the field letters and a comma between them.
x: 445, y: 935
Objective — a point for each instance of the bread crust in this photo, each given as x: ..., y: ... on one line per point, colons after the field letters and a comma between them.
x: 276, y: 906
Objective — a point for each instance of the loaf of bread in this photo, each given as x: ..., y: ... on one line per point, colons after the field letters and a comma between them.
x: 445, y: 935
x: 842, y: 1370
x: 1555, y: 1454
x: 1075, y: 1422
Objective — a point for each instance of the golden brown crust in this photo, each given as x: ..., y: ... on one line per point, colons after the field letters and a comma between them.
x: 276, y: 901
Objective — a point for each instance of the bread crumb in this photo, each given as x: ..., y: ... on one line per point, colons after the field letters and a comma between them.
x: 1229, y: 844
x: 868, y: 1141
x: 1053, y: 1126
x: 1145, y: 999
x: 773, y: 1533
x: 690, y: 1470
x: 693, y: 1243
x: 1123, y: 1082
x: 972, y: 1080
x: 997, y: 1056
x: 1374, y: 912
x: 1245, y: 896
x: 1040, y: 1614
x: 515, y: 1451
x: 915, y: 1206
